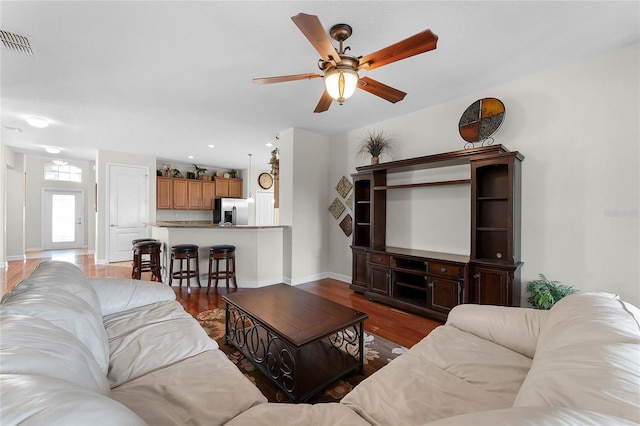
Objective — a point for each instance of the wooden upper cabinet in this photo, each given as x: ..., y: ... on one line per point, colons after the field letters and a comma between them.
x: 194, y: 194
x: 180, y: 194
x: 208, y: 194
x: 222, y: 187
x: 228, y: 188
x: 164, y: 193
x: 235, y: 188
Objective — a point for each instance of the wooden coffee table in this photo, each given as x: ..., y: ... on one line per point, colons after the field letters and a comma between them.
x: 299, y: 341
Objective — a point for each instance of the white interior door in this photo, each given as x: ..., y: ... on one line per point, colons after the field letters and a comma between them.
x: 128, y: 209
x: 265, y: 210
x: 62, y: 219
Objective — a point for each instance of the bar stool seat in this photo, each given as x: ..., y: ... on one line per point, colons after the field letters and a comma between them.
x: 185, y: 253
x: 228, y: 254
x: 150, y: 248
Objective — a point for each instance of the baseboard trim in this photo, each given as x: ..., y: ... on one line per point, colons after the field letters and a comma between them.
x: 17, y: 257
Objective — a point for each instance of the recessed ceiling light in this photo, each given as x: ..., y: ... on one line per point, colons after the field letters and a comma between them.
x: 269, y: 144
x: 52, y: 150
x: 59, y: 162
x: 211, y: 146
x: 13, y: 129
x: 37, y: 122
x: 190, y: 157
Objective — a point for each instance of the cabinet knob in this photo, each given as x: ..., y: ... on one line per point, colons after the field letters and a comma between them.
x: 443, y: 269
x: 476, y: 276
x: 379, y: 259
x: 430, y: 285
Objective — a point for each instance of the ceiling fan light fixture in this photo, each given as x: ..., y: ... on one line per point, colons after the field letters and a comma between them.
x: 341, y: 83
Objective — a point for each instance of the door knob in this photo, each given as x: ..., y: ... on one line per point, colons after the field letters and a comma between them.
x: 113, y: 226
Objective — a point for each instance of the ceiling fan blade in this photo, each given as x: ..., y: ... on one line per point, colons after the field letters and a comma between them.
x: 325, y: 102
x: 312, y: 29
x: 283, y: 78
x: 382, y: 90
x: 414, y: 45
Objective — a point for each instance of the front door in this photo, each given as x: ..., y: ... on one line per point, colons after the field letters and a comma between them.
x: 62, y: 219
x: 128, y: 209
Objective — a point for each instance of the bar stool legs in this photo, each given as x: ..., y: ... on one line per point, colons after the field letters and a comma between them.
x: 185, y: 253
x: 228, y: 254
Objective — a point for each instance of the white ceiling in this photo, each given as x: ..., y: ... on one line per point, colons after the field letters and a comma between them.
x: 167, y: 78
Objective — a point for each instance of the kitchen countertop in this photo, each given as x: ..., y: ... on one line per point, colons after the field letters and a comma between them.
x: 206, y: 224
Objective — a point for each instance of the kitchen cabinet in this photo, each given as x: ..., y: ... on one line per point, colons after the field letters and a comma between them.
x: 208, y: 194
x: 180, y: 194
x: 194, y: 194
x: 228, y: 188
x: 184, y: 194
x: 164, y: 193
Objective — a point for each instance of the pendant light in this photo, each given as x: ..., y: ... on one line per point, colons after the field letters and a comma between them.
x: 250, y: 197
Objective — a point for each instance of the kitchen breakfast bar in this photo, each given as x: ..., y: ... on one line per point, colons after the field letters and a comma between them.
x: 258, y: 249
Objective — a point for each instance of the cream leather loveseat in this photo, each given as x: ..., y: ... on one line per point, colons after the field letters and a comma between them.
x: 99, y: 351
x: 577, y: 364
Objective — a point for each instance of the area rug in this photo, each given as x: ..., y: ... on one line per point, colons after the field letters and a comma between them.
x: 378, y: 352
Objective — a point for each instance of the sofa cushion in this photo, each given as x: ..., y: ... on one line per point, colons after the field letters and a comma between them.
x: 329, y: 414
x: 449, y: 372
x: 516, y: 329
x: 533, y: 416
x: 118, y: 295
x: 206, y: 389
x: 33, y: 346
x: 67, y: 311
x: 62, y: 276
x: 40, y: 400
x: 147, y: 338
x: 588, y: 358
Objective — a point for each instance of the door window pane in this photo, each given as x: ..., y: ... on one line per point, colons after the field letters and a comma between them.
x: 63, y: 213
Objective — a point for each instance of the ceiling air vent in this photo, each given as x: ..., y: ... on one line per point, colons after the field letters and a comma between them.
x: 16, y: 43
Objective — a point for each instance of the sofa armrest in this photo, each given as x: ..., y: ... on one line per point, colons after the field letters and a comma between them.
x: 118, y: 295
x: 514, y: 328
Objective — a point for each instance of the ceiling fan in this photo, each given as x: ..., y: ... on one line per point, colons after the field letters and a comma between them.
x: 341, y: 69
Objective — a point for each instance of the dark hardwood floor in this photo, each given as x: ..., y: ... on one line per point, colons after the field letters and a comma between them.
x: 400, y: 327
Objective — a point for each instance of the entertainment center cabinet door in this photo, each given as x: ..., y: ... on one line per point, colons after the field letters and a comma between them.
x: 359, y: 280
x: 494, y: 285
x: 443, y: 295
x: 380, y: 278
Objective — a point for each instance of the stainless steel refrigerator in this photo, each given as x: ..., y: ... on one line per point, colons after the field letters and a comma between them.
x: 231, y: 211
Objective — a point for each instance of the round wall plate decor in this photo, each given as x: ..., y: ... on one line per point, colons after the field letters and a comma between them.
x: 481, y: 119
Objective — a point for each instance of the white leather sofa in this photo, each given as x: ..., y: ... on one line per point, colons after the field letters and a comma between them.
x: 577, y: 364
x: 100, y: 351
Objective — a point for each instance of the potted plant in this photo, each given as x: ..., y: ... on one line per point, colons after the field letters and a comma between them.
x: 544, y: 293
x: 199, y: 171
x: 374, y: 144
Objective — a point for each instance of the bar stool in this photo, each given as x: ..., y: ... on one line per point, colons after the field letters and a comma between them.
x: 146, y: 247
x: 185, y: 252
x: 228, y: 254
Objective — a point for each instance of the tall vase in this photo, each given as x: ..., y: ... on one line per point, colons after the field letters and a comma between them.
x: 375, y: 160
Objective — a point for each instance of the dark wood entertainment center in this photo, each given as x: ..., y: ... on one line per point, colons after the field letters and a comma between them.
x: 432, y: 283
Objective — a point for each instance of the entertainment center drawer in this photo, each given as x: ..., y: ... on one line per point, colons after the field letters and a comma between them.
x: 380, y: 259
x: 444, y: 269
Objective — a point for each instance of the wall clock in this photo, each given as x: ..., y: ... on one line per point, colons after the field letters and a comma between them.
x: 265, y: 180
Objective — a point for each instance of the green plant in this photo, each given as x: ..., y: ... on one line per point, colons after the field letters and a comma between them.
x: 199, y: 170
x: 545, y: 293
x: 374, y: 144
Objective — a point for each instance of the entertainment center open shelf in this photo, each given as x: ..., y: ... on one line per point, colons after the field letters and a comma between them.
x: 432, y: 283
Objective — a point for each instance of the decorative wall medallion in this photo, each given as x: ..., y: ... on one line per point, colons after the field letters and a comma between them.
x: 346, y: 225
x: 349, y: 202
x: 336, y: 208
x: 344, y: 186
x: 481, y: 120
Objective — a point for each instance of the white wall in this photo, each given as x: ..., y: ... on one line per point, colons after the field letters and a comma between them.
x: 304, y: 177
x: 15, y: 235
x: 578, y: 128
x: 3, y: 204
